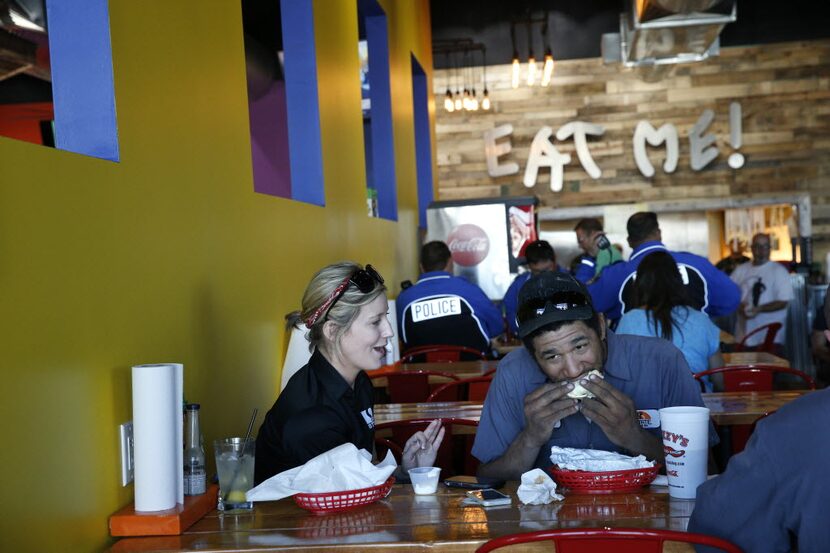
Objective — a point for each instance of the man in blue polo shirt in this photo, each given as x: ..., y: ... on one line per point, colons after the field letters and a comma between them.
x: 528, y: 410
x: 709, y: 289
x: 444, y: 309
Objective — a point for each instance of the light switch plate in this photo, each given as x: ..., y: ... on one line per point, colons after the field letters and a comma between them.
x: 127, y: 466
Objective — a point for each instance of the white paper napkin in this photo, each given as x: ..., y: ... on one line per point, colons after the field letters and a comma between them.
x: 594, y: 460
x: 537, y: 488
x: 343, y: 468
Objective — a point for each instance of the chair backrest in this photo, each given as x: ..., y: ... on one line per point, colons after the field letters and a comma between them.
x: 768, y: 344
x: 448, y: 458
x: 422, y: 324
x: 441, y: 353
x: 413, y: 386
x: 469, y: 389
x: 753, y: 378
x: 601, y: 540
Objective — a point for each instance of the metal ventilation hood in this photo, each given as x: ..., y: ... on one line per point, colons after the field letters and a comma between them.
x: 659, y: 32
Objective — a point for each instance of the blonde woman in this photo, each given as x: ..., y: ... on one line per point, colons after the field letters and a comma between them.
x: 329, y: 401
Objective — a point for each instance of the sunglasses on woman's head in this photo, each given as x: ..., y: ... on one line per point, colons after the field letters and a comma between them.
x: 363, y: 279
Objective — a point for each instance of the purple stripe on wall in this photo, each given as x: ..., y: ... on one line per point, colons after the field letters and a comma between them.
x: 269, y: 140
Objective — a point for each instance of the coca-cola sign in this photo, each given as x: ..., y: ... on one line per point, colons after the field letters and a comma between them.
x: 468, y: 245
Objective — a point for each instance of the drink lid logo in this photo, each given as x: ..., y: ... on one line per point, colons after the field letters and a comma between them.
x: 468, y: 245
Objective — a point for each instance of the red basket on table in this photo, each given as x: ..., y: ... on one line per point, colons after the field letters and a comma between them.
x: 604, y: 482
x: 335, y: 502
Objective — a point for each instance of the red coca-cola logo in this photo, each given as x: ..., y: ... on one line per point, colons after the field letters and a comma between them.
x: 468, y: 244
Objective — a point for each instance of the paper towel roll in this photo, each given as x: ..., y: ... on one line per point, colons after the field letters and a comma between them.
x: 157, y: 435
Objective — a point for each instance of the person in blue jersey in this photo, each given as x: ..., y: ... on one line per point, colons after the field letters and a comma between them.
x: 599, y: 253
x: 708, y: 289
x: 539, y: 256
x: 663, y: 311
x: 444, y: 309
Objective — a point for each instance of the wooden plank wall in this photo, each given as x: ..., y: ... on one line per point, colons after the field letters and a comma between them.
x: 783, y: 90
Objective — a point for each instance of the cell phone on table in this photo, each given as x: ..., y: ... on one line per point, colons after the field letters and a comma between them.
x: 488, y: 497
x: 473, y: 482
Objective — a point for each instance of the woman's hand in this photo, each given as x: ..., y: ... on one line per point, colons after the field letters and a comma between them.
x: 420, y: 450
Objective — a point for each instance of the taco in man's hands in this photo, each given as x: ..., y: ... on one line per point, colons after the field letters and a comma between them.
x: 579, y: 392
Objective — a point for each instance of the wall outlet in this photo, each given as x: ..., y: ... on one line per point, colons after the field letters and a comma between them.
x: 127, y: 460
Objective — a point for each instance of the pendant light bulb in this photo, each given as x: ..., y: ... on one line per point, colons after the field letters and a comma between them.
x: 531, y: 71
x: 547, y: 71
x: 516, y: 68
x: 449, y: 105
x: 485, y: 101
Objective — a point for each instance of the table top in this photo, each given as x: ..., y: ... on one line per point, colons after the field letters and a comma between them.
x: 461, y: 369
x: 726, y: 408
x: 753, y: 358
x: 471, y: 369
x: 406, y: 522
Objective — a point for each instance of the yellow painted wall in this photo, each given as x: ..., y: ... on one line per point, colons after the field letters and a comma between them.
x: 169, y: 255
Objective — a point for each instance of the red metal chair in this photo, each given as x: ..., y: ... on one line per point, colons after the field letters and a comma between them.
x: 413, y: 386
x: 768, y: 345
x: 441, y: 353
x: 601, y: 540
x: 469, y: 389
x: 753, y: 378
x: 750, y: 378
x: 454, y: 454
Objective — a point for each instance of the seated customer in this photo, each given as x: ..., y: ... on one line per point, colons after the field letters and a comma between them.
x: 664, y: 311
x: 820, y: 346
x: 773, y: 494
x: 329, y: 401
x: 444, y: 309
x: 539, y: 256
x: 527, y: 409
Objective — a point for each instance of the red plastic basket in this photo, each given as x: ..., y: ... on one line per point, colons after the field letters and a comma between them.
x: 335, y: 502
x: 604, y: 482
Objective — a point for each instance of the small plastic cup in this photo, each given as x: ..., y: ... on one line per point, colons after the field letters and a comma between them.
x: 424, y: 479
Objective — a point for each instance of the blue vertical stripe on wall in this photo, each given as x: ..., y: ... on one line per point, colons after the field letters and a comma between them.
x: 423, y: 147
x: 305, y: 148
x: 82, y: 83
x: 380, y: 92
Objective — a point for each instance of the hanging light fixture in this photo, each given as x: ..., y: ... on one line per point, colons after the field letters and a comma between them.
x: 459, y: 103
x: 485, y: 98
x: 547, y: 70
x: 531, y: 61
x: 449, y: 105
x: 516, y: 64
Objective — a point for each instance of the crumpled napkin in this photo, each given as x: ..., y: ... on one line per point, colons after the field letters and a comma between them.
x: 339, y: 469
x: 595, y: 460
x: 537, y: 488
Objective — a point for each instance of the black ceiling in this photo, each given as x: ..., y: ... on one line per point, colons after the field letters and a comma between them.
x: 576, y: 26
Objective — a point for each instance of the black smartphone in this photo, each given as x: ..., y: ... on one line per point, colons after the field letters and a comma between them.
x: 488, y: 497
x: 602, y: 242
x: 473, y: 482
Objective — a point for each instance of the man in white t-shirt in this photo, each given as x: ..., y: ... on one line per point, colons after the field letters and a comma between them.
x: 765, y: 293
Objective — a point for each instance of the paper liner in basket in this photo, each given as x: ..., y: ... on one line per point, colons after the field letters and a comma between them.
x: 339, y: 469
